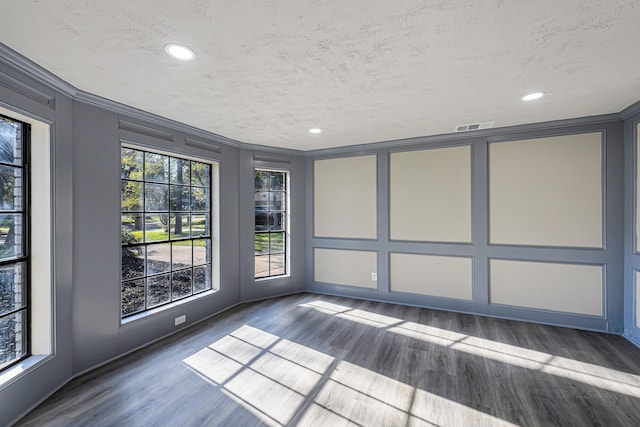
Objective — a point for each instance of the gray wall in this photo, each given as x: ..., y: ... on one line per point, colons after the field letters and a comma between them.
x: 480, y: 250
x: 26, y: 96
x: 251, y: 288
x: 87, y: 133
x: 98, y: 335
x: 631, y: 255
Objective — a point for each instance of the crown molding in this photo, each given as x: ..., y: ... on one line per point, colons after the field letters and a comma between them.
x: 144, y: 116
x: 29, y: 68
x: 17, y: 61
x: 151, y: 118
x: 20, y: 63
x: 458, y: 136
x: 630, y: 111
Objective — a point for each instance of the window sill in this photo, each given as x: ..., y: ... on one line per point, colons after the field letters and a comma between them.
x: 21, y: 369
x: 267, y: 279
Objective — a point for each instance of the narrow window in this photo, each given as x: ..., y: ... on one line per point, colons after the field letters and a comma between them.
x: 271, y: 223
x: 14, y: 241
x: 166, y: 229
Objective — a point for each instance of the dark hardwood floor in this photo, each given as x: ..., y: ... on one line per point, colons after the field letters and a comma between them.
x: 327, y: 361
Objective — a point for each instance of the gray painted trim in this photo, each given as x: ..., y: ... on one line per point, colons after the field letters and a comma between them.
x: 401, y: 298
x: 635, y: 320
x: 503, y: 132
x: 541, y: 311
x: 551, y: 319
x: 383, y: 195
x: 141, y: 144
x: 117, y: 107
x: 30, y: 68
x: 634, y: 186
x: 30, y: 114
x: 151, y: 118
x: 16, y: 61
x: 629, y: 228
x: 271, y: 166
x: 614, y: 226
x: 160, y: 338
x: 41, y: 400
x: 630, y: 111
x: 27, y: 90
x: 461, y: 306
x: 431, y: 146
x: 633, y: 336
x: 145, y: 130
x: 480, y: 220
x: 25, y: 367
x: 203, y: 145
x: 631, y: 330
x: 309, y: 222
x: 632, y: 256
x: 270, y: 158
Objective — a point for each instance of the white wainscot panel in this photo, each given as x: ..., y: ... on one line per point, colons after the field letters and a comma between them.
x: 439, y: 276
x: 430, y: 195
x: 547, y: 191
x: 345, y: 267
x: 570, y: 288
x: 345, y: 197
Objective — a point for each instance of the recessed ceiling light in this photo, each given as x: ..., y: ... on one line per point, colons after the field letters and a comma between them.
x: 533, y: 96
x: 315, y: 130
x: 180, y: 52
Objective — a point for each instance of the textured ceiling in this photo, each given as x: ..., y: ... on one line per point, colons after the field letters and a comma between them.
x: 362, y: 70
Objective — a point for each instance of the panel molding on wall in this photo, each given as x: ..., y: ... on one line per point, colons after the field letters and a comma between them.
x: 547, y: 191
x: 345, y: 267
x: 569, y: 288
x: 432, y: 275
x: 430, y: 195
x: 635, y: 195
x: 637, y: 300
x: 345, y: 197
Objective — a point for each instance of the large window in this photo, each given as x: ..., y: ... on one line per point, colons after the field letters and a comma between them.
x: 14, y: 241
x: 166, y: 229
x: 271, y: 221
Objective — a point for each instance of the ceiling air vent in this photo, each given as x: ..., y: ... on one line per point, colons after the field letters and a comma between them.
x: 474, y: 126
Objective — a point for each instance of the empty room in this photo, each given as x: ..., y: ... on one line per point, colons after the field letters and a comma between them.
x: 319, y: 213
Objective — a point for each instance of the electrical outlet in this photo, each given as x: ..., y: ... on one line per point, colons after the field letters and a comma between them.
x: 180, y: 319
x: 374, y: 277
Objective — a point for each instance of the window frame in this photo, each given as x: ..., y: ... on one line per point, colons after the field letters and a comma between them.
x: 25, y: 258
x: 286, y: 241
x: 211, y: 264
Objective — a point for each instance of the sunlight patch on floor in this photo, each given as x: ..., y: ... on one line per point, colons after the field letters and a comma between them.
x: 575, y: 370
x: 272, y: 378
